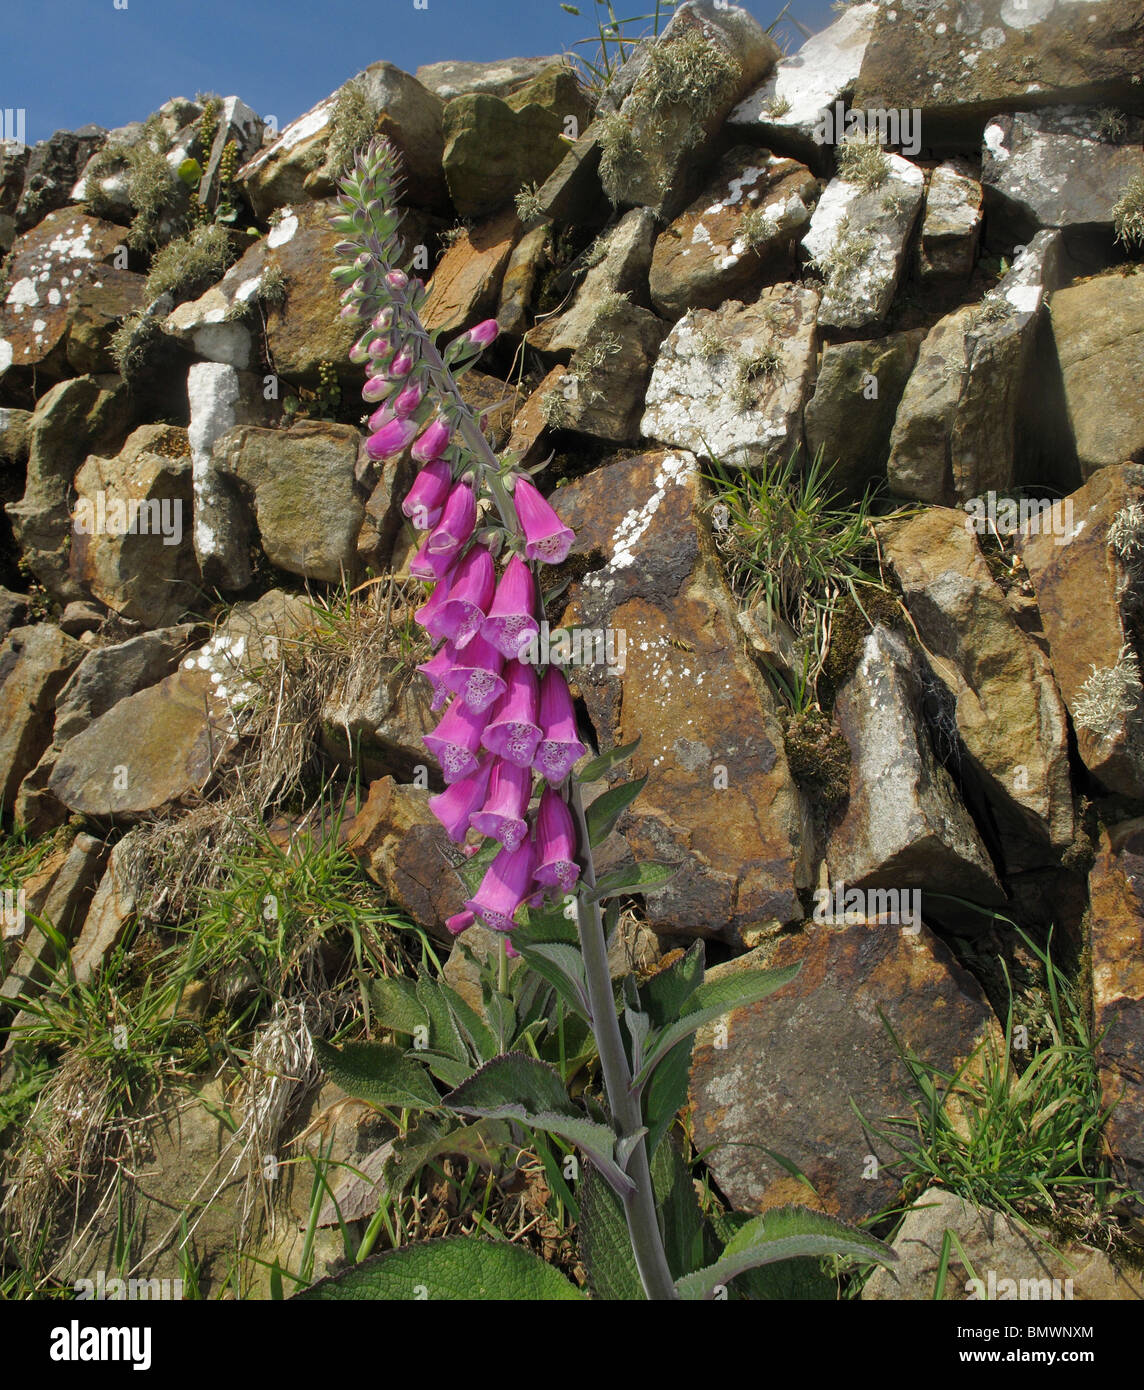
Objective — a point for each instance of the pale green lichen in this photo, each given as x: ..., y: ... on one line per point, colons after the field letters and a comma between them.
x: 192, y: 262
x: 1109, y: 696
x: 863, y: 162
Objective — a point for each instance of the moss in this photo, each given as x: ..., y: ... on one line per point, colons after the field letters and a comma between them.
x: 131, y: 343
x: 755, y: 227
x: 818, y: 754
x: 151, y: 186
x: 849, y: 630
x: 191, y: 263
x: 690, y: 71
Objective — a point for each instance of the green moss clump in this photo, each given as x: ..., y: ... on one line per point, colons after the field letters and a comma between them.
x: 151, y: 186
x: 191, y: 263
x: 352, y: 121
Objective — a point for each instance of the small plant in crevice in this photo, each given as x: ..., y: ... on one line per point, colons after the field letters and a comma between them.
x: 1112, y: 125
x: 863, y: 162
x: 528, y: 205
x: 751, y: 369
x: 189, y: 264
x: 1110, y: 696
x: 1128, y: 214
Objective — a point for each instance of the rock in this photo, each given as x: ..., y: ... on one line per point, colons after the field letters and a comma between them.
x: 1098, y: 329
x: 80, y: 617
x: 794, y: 1066
x: 111, y: 912
x: 73, y: 418
x: 959, y: 64
x: 465, y: 286
x: 1116, y: 925
x: 239, y: 126
x: 294, y: 166
x: 952, y: 223
x: 962, y: 427
x: 495, y: 147
x: 999, y: 1249
x: 905, y: 826
x: 707, y: 58
x: 719, y: 800
x: 13, y: 611
x: 1056, y: 168
x: 34, y: 664
x: 625, y: 254
x: 14, y: 433
x: 37, y: 808
x: 222, y: 521
x: 738, y: 233
x: 301, y: 487
x: 1009, y: 714
x: 104, y: 183
x: 501, y: 79
x: 524, y: 267
x: 859, y: 238
x: 572, y: 192
x: 374, y: 719
x: 855, y: 399
x: 602, y: 393
x: 530, y: 422
x: 110, y: 674
x: 734, y: 379
x: 51, y: 172
x: 59, y: 891
x: 402, y: 846
x: 131, y: 536
x: 13, y: 166
x: 103, y: 298
x: 1086, y: 596
x: 785, y: 112
x: 44, y: 272
x: 165, y: 741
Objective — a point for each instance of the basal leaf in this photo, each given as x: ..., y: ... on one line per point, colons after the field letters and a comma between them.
x: 379, y: 1073
x: 802, y: 1280
x: 396, y: 1005
x: 644, y: 877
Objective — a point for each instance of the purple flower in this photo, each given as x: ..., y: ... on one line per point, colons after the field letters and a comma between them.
x: 381, y: 416
x: 559, y: 748
x: 502, y: 815
x: 436, y: 670
x: 555, y: 843
x: 504, y: 887
x: 425, y: 500
x: 407, y: 401
x: 401, y: 365
x: 433, y: 442
x: 513, y: 732
x: 456, y: 740
x: 471, y: 592
x: 455, y: 805
x: 475, y: 674
x: 459, y: 922
x: 484, y: 333
x: 428, y: 615
x: 510, y: 622
x: 442, y: 545
x: 391, y: 439
x: 545, y: 535
x: 377, y: 388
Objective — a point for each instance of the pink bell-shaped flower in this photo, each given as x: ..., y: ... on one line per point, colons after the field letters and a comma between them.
x: 510, y: 622
x: 460, y: 921
x: 456, y: 741
x: 502, y: 815
x: 433, y: 442
x: 391, y: 439
x: 455, y: 805
x: 475, y: 674
x: 504, y: 887
x: 437, y: 670
x: 513, y: 732
x: 425, y: 500
x: 443, y: 544
x: 546, y: 537
x: 470, y: 593
x: 556, y: 865
x: 559, y: 748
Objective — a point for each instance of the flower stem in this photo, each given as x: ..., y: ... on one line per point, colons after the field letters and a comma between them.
x: 639, y: 1206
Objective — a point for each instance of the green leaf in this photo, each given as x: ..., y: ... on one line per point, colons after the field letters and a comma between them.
x: 645, y: 877
x: 687, y: 1244
x: 784, y: 1233
x: 516, y: 1087
x: 604, y: 1244
x: 664, y: 994
x: 379, y: 1073
x: 190, y: 171
x: 444, y: 1035
x: 563, y: 967
x: 459, y: 1268
x: 474, y: 1030
x: 666, y: 1093
x: 396, y: 1005
x: 601, y: 766
x: 801, y: 1281
x: 711, y: 1001
x: 606, y: 810
x: 441, y: 1137
x: 473, y: 870
x: 548, y: 925
x: 446, y: 1069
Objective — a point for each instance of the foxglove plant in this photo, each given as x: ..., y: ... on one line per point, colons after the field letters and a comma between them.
x: 507, y: 736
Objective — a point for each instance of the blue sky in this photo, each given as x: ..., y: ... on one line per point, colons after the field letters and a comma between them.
x: 70, y: 62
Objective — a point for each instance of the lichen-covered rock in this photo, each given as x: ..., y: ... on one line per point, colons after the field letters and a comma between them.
x: 34, y: 664
x: 465, y: 286
x: 952, y: 223
x: 44, y: 272
x: 451, y: 78
x: 963, y: 425
x: 794, y: 1067
x: 855, y: 399
x: 1008, y: 711
x: 131, y: 528
x: 703, y: 63
x: 1098, y: 329
x: 301, y: 486
x: 51, y: 171
x: 720, y: 800
x: 785, y: 112
x: 1088, y: 596
x: 739, y: 232
x: 734, y: 380
x: 14, y: 425
x: 905, y: 826
x: 104, y: 296
x: 295, y: 166
x: 859, y: 238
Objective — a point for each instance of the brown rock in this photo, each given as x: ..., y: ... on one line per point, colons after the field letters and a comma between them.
x: 103, y: 298
x: 34, y: 664
x: 466, y: 284
x: 112, y: 909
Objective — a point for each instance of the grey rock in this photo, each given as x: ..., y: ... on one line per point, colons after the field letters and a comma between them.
x: 109, y: 674
x: 952, y: 224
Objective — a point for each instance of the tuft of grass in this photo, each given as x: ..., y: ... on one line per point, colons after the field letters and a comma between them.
x: 845, y: 256
x: 755, y: 227
x: 776, y: 107
x: 1112, y: 125
x: 353, y: 122
x: 191, y: 263
x: 132, y: 341
x: 863, y: 162
x: 152, y: 187
x: 528, y: 205
x: 1109, y: 696
x: 1128, y: 213
x: 751, y: 368
x: 1126, y: 533
x: 711, y: 343
x: 688, y: 71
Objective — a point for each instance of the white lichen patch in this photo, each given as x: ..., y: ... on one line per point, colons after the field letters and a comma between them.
x: 283, y: 231
x: 674, y: 471
x: 23, y: 294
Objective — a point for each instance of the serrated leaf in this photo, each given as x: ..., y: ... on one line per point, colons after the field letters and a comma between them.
x: 458, y: 1268
x: 604, y: 1244
x: 606, y: 810
x: 784, y: 1233
x: 444, y: 1035
x: 711, y: 1001
x: 645, y: 877
x: 396, y: 1005
x: 803, y: 1280
x: 602, y: 765
x: 379, y: 1073
x: 687, y: 1243
x: 563, y: 967
x: 516, y: 1087
x: 446, y: 1069
x: 474, y: 1030
x: 473, y: 870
